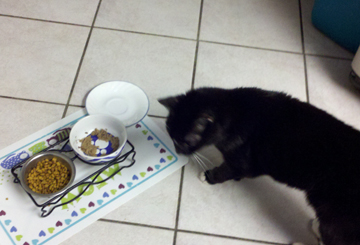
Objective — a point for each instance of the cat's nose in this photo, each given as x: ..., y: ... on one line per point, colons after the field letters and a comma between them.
x: 181, y: 150
x: 178, y: 149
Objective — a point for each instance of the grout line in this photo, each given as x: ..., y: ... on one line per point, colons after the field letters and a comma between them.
x: 220, y: 43
x: 143, y: 33
x: 231, y: 237
x: 157, y: 116
x: 329, y: 57
x: 252, y: 47
x: 303, y: 53
x: 136, y: 224
x: 278, y: 50
x: 80, y: 106
x: 188, y: 231
x: 81, y: 60
x: 192, y: 87
x: 178, y: 205
x: 31, y: 100
x: 42, y: 20
x: 197, y: 45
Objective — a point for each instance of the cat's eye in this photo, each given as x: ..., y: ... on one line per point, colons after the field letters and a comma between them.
x: 210, y: 119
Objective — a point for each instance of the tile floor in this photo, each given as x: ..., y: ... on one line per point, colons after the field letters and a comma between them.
x: 53, y: 52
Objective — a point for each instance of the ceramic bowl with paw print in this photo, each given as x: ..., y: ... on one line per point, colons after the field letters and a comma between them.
x: 105, y: 151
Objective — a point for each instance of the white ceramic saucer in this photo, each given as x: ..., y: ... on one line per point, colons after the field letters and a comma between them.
x: 120, y: 99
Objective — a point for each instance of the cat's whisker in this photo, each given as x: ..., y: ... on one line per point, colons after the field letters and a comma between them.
x: 202, y: 156
x: 199, y: 161
x: 202, y: 162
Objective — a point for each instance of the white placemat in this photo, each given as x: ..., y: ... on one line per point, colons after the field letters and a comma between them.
x: 20, y: 221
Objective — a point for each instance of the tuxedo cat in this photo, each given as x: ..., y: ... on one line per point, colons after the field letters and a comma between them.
x: 263, y: 132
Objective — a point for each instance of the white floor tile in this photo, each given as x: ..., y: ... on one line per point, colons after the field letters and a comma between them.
x: 76, y: 12
x: 315, y: 41
x: 183, y: 238
x: 156, y: 206
x: 258, y: 209
x: 175, y: 18
x: 272, y: 24
x: 331, y: 90
x: 112, y: 233
x: 161, y: 66
x: 230, y: 67
x: 72, y: 109
x: 38, y: 59
x: 23, y: 118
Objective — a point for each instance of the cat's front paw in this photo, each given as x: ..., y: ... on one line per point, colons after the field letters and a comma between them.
x: 204, y: 178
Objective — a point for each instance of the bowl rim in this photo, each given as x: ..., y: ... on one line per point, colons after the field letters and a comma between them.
x: 82, y: 154
x: 120, y: 81
x: 40, y: 154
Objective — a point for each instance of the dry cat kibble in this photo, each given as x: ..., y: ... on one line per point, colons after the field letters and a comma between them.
x: 48, y: 176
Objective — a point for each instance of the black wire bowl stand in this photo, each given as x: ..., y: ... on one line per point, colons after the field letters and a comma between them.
x: 48, y: 206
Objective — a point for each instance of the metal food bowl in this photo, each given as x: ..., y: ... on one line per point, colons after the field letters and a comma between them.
x: 32, y: 163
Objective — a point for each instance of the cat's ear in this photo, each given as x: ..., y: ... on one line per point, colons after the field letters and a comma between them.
x: 170, y: 102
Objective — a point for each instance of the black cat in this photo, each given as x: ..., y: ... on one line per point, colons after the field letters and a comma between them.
x: 269, y: 133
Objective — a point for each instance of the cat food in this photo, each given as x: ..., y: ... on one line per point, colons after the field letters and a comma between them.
x: 89, y: 148
x: 48, y: 176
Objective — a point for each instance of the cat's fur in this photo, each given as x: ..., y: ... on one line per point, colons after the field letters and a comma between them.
x: 269, y: 133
